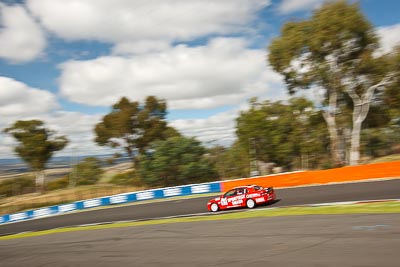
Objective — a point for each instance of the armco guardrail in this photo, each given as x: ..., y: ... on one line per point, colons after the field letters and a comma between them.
x: 112, y: 200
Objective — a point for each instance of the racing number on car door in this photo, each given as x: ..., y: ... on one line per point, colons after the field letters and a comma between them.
x: 224, y: 201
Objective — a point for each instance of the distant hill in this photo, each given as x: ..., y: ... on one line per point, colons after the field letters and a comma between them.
x: 16, y: 165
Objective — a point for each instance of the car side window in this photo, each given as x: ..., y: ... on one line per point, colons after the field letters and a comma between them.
x: 230, y: 193
x: 241, y: 191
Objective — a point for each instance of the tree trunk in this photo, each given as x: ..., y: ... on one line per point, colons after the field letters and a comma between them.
x: 355, y: 143
x: 360, y: 112
x: 330, y: 119
x: 334, y: 139
x: 40, y: 181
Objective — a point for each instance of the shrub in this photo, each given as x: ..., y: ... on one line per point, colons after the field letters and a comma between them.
x: 58, y: 183
x: 88, y: 171
x: 17, y: 186
x: 127, y: 178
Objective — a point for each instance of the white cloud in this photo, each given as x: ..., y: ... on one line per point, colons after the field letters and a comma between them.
x: 224, y: 72
x: 18, y: 100
x: 140, y: 47
x: 7, y: 143
x: 21, y: 39
x: 130, y: 21
x: 21, y: 102
x: 217, y: 129
x: 77, y: 127
x: 389, y: 37
x: 292, y: 6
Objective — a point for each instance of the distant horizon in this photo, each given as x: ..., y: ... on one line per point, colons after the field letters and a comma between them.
x: 54, y: 162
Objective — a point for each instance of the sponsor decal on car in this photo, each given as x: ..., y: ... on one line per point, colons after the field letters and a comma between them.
x: 260, y: 199
x: 254, y: 195
x: 237, y: 202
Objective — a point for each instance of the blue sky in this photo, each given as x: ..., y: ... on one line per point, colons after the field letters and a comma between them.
x: 67, y: 61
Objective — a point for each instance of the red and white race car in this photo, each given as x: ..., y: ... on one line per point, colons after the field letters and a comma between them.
x: 242, y: 196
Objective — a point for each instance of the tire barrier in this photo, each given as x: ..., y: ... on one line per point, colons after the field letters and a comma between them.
x: 185, y: 190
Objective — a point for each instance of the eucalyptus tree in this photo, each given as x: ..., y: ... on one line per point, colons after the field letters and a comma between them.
x: 175, y: 161
x: 235, y: 160
x: 334, y: 51
x: 281, y: 132
x: 37, y: 145
x: 132, y: 126
x: 391, y: 96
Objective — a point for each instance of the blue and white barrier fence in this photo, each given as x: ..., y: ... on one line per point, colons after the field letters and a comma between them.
x: 184, y: 190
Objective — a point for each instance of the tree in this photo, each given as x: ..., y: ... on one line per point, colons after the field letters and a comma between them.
x: 133, y: 127
x: 281, y: 133
x: 36, y: 146
x: 391, y: 95
x: 88, y: 171
x: 334, y: 51
x: 264, y: 130
x: 235, y: 161
x: 175, y: 161
x: 216, y: 156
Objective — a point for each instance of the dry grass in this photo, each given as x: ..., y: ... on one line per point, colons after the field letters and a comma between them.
x: 68, y: 195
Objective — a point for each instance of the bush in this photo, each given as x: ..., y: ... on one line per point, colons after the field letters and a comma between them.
x: 176, y: 161
x: 17, y: 186
x: 127, y: 178
x: 88, y: 171
x: 58, y: 183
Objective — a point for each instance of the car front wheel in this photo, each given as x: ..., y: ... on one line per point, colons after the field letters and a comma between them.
x: 214, y: 207
x: 250, y: 203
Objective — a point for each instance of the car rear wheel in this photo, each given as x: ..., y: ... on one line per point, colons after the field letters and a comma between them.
x: 214, y: 207
x: 250, y: 203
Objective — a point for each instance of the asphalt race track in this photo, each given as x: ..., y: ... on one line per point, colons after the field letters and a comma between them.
x: 389, y: 189
x: 310, y: 241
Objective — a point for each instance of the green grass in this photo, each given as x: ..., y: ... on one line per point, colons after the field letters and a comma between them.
x: 366, y: 208
x: 394, y: 157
